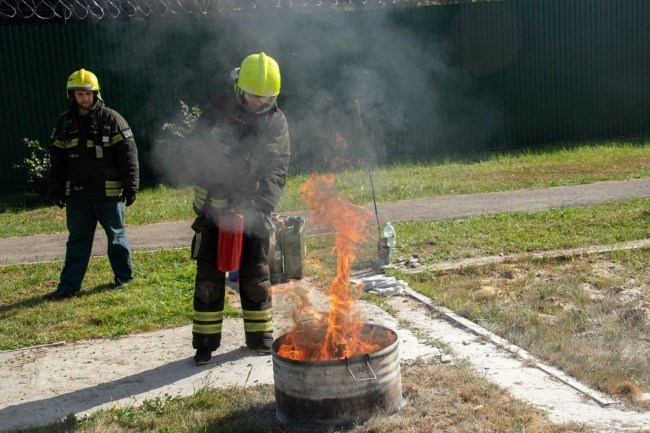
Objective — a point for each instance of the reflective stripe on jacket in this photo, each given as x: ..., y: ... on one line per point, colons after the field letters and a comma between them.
x: 238, y: 158
x: 95, y: 160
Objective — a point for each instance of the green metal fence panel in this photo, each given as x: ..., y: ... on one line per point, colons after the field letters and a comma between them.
x: 579, y: 71
x: 431, y: 81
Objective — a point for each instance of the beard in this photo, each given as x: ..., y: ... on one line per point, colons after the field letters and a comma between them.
x: 85, y: 105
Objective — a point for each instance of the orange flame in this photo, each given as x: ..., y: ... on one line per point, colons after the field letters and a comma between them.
x: 339, y: 336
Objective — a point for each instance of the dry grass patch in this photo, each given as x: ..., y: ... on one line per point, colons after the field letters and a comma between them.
x: 452, y: 399
x: 449, y: 399
x: 588, y: 315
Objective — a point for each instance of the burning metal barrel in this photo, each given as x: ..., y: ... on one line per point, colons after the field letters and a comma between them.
x: 339, y: 392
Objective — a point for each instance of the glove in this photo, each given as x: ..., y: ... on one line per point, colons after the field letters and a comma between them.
x: 128, y: 197
x: 58, y: 199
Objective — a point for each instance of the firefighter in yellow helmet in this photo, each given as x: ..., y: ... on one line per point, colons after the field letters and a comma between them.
x: 241, y: 150
x: 94, y: 173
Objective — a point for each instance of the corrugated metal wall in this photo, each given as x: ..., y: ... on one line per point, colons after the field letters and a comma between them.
x: 432, y: 81
x: 579, y: 73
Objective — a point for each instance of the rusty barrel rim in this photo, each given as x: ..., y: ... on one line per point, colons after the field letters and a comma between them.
x: 317, y: 394
x: 376, y: 354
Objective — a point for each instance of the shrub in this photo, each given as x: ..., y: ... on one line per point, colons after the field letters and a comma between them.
x: 169, y: 157
x: 189, y: 116
x: 37, y: 164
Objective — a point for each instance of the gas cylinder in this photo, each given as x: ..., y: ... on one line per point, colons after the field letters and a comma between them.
x: 229, y: 242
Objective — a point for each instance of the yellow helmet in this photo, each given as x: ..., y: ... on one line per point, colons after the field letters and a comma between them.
x: 82, y: 80
x: 259, y: 75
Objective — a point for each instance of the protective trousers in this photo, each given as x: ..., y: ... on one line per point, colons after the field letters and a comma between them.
x: 82, y: 217
x: 210, y: 288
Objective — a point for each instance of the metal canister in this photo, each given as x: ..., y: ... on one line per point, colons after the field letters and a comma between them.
x: 383, y: 252
x: 276, y: 261
x: 293, y: 247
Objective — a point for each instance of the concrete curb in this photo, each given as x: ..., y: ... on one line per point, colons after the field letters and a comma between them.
x: 600, y: 398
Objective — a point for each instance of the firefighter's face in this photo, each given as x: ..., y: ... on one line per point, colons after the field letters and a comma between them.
x: 256, y: 102
x: 84, y: 99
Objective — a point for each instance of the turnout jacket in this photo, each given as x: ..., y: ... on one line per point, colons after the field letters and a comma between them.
x: 96, y: 160
x: 239, y: 159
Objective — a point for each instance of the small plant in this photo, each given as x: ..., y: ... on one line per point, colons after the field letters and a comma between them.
x: 37, y: 164
x: 170, y: 149
x: 190, y: 115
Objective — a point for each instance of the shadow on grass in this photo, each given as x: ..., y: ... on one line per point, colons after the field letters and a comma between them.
x: 257, y: 418
x: 37, y: 300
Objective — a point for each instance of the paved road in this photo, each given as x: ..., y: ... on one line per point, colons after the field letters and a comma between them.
x: 41, y: 248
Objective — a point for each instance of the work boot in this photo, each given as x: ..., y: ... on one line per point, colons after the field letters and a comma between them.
x: 203, y: 356
x: 59, y: 294
x: 118, y: 285
x: 265, y: 345
x: 261, y: 342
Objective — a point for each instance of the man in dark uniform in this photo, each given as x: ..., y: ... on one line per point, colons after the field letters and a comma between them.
x: 94, y: 174
x: 241, y: 148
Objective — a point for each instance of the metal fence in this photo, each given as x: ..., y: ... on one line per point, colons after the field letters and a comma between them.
x: 34, y: 11
x: 432, y: 81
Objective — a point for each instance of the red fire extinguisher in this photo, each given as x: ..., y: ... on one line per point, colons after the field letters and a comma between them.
x: 229, y: 242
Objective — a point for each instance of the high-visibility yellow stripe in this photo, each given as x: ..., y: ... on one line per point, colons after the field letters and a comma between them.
x: 113, y: 188
x: 208, y: 316
x: 258, y: 321
x: 258, y: 327
x: 207, y: 322
x: 273, y: 147
x: 219, y: 203
x: 114, y: 140
x: 258, y: 315
x: 62, y: 145
x: 201, y: 194
x: 214, y: 328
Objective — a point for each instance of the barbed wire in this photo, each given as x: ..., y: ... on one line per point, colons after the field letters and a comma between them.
x: 97, y: 10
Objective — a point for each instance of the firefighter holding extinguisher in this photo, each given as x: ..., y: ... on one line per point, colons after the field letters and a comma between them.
x: 241, y: 150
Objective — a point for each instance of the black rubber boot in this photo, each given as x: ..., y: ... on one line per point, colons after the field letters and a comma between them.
x: 203, y: 356
x: 260, y: 341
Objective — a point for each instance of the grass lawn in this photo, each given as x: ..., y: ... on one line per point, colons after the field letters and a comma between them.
x: 587, y: 314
